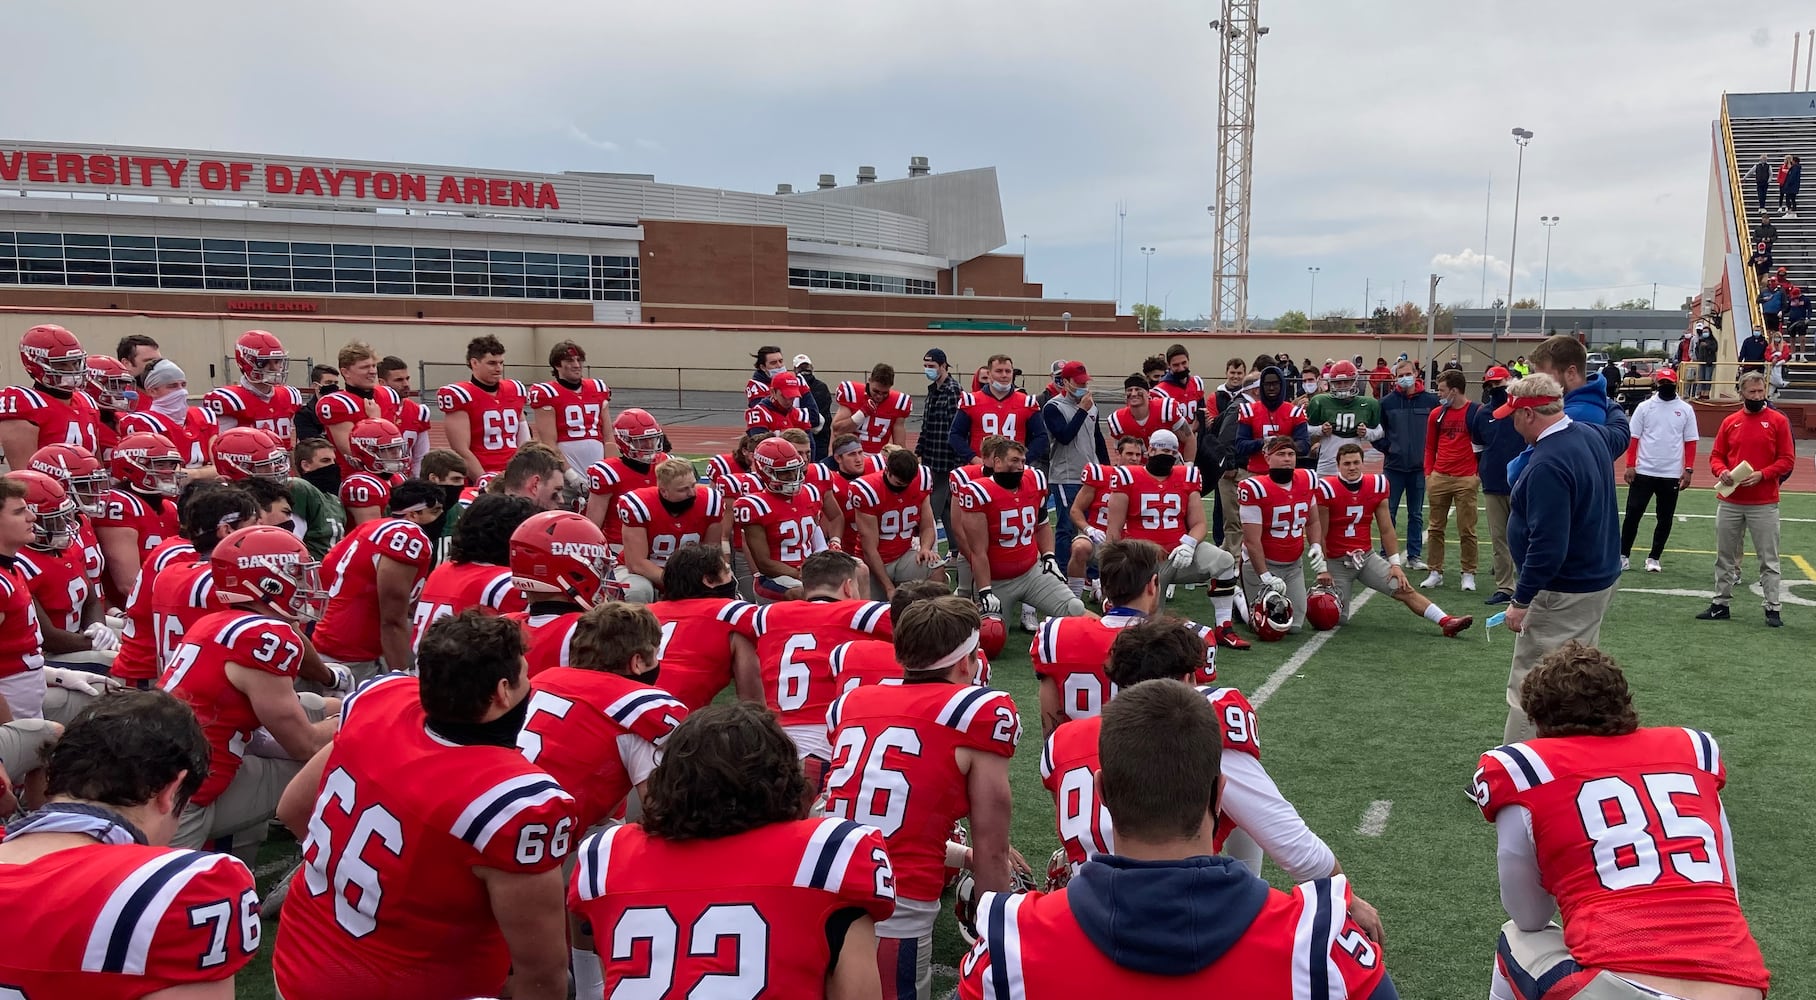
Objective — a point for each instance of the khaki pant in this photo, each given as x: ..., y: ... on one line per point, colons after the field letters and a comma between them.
x: 1232, y: 511
x: 23, y: 693
x: 1292, y: 573
x: 1554, y: 619
x: 1760, y: 521
x: 637, y: 589
x: 1441, y: 494
x: 1506, y: 573
x: 1527, y: 958
x: 22, y: 745
x: 905, y: 569
x: 1041, y: 591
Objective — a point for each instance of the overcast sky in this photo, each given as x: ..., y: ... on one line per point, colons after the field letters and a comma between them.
x: 1378, y: 125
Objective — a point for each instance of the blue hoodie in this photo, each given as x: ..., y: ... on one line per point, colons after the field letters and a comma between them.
x: 1587, y: 404
x: 1501, y: 444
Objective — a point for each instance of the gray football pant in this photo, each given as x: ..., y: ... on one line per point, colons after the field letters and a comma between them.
x: 1294, y: 575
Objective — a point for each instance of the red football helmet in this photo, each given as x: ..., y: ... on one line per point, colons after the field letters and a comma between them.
x: 1059, y: 870
x: 148, y: 463
x: 54, y: 358
x: 638, y: 435
x: 1322, y: 609
x: 77, y: 469
x: 57, y: 516
x: 1272, y: 616
x: 1341, y: 382
x: 561, y: 554
x: 992, y: 635
x: 377, y: 446
x: 109, y: 382
x: 244, y: 452
x: 262, y: 358
x: 266, y: 565
x: 779, y: 466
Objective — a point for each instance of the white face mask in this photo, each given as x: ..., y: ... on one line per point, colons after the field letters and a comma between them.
x: 175, y: 405
x: 1001, y: 388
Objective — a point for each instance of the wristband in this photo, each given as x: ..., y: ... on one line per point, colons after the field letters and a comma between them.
x: 1188, y: 541
x: 1394, y: 559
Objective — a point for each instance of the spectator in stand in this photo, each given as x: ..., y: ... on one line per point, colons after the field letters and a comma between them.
x: 1783, y: 173
x: 1381, y: 378
x: 1501, y: 444
x: 1789, y: 186
x: 1771, y: 302
x: 1765, y: 232
x: 1659, y: 463
x: 1796, y: 320
x: 1705, y: 357
x: 1761, y: 262
x: 821, y: 410
x: 1776, y: 356
x: 1404, y: 414
x: 1753, y: 349
x: 1520, y: 368
x: 1753, y: 451
x: 1761, y: 176
x: 937, y: 457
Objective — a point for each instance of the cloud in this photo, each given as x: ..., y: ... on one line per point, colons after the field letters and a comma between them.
x: 579, y: 135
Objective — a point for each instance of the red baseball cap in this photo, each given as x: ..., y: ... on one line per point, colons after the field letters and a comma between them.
x: 1521, y: 403
x: 1665, y: 375
x: 1073, y: 370
x: 1496, y: 374
x: 789, y: 385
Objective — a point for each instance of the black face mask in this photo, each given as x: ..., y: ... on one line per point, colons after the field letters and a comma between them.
x: 1667, y: 390
x: 894, y: 487
x: 649, y: 676
x: 450, y: 497
x: 1496, y: 398
x: 676, y: 508
x: 1755, y: 405
x: 728, y: 589
x: 327, y: 478
x: 1162, y: 465
x: 1281, y: 476
x: 500, y: 732
x: 327, y: 388
x: 573, y: 386
x: 1008, y: 480
x: 633, y: 463
x: 362, y: 393
x: 487, y: 386
x: 1180, y: 376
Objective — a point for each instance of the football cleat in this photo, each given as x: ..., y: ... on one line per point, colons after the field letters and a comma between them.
x: 1453, y: 624
x: 1322, y: 609
x: 1272, y: 617
x: 1227, y: 638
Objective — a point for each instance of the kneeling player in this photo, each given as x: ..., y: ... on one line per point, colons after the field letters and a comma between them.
x: 1276, y: 513
x: 1090, y: 509
x: 1158, y: 502
x: 1009, y: 540
x: 891, y: 514
x: 1623, y: 830
x: 1347, y: 502
x: 657, y: 520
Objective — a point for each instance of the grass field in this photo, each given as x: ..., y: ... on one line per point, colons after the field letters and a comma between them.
x: 1387, y: 711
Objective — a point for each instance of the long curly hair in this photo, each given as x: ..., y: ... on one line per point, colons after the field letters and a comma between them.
x: 1578, y: 690
x: 726, y: 769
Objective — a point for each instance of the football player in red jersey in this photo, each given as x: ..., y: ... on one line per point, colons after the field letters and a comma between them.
x: 136, y: 663
x: 1146, y: 411
x: 1187, y: 391
x: 913, y: 758
x: 477, y: 573
x: 264, y: 398
x: 415, y: 418
x: 639, y: 438
x: 68, y: 607
x: 891, y: 513
x: 375, y: 450
x: 1347, y: 502
x: 21, y: 645
x: 53, y: 409
x: 780, y: 525
x: 1090, y: 509
x: 707, y: 641
x: 802, y: 909
x: 113, y: 389
x: 238, y: 669
x: 1623, y: 830
x: 1009, y: 541
x: 872, y: 661
x: 998, y: 408
x: 167, y: 412
x: 373, y: 577
x: 572, y: 411
x: 432, y: 849
x: 874, y: 410
x: 483, y: 415
x: 560, y: 563
x: 1158, y: 502
x: 1271, y: 414
x: 1277, y: 526
x: 1164, y: 917
x: 184, y: 593
x: 242, y: 453
x: 362, y: 398
x: 657, y: 520
x: 80, y: 921
x: 778, y: 410
x: 80, y: 473
x: 141, y: 511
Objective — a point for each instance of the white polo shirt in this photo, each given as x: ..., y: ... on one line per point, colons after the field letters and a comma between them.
x: 1661, y: 426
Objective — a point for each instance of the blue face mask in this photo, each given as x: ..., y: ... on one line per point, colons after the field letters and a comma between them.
x: 1079, y: 392
x: 1407, y: 381
x: 933, y: 373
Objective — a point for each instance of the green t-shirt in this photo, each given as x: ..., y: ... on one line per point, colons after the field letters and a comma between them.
x: 1347, y: 417
x: 318, y: 517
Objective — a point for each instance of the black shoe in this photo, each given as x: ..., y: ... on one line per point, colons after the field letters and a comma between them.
x: 1773, y: 620
x: 1499, y: 597
x: 1715, y: 613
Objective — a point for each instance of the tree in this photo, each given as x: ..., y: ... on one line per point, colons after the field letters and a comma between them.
x: 1634, y: 304
x: 1409, y: 318
x: 1526, y: 303
x: 1148, y: 315
x: 1382, y: 322
x: 1293, y: 321
x: 1446, y: 320
x: 1334, y: 321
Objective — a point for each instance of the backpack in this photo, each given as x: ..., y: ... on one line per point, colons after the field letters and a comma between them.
x: 1217, y: 440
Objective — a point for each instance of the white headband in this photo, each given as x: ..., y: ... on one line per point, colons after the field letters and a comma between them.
x: 964, y: 649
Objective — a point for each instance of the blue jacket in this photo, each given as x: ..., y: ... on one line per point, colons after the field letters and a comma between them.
x: 1797, y: 308
x: 1501, y: 444
x: 1754, y: 348
x: 1563, y: 528
x: 1771, y: 301
x: 1587, y: 404
x: 1403, y: 429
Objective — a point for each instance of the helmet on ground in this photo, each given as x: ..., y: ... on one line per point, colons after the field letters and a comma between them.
x: 1059, y: 870
x: 964, y: 906
x: 638, y: 434
x: 1271, y: 616
x: 1342, y: 380
x: 779, y: 466
x: 245, y: 452
x: 77, y: 469
x: 1322, y: 609
x: 992, y: 635
x: 561, y: 555
x: 109, y: 382
x: 54, y: 358
x: 377, y: 446
x: 261, y: 564
x: 148, y: 463
x: 262, y: 358
x: 57, y: 515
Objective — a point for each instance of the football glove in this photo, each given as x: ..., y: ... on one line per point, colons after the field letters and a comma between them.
x: 101, y: 638
x: 987, y: 603
x: 1181, y: 556
x: 1049, y: 564
x: 80, y: 681
x: 1096, y: 536
x: 1273, y: 583
x: 344, y: 682
x: 1317, y: 558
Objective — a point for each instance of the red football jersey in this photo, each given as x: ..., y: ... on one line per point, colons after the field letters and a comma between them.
x: 75, y: 420
x: 93, y: 562
x: 722, y: 467
x: 790, y: 525
x: 1163, y: 415
x: 387, y: 904
x: 452, y: 587
x: 598, y: 734
x: 1072, y: 652
x: 765, y: 416
x: 59, y: 583
x: 346, y: 407
x: 876, y: 421
x: 238, y: 406
x: 196, y: 672
x: 1008, y: 417
x: 1187, y: 399
x: 1352, y: 512
x: 152, y: 519
x: 613, y: 478
x: 549, y: 639
x: 665, y: 532
x: 791, y: 879
x: 182, y: 595
x: 862, y: 662
x: 194, y: 437
x: 579, y: 413
x: 794, y: 646
x: 1098, y: 478
x: 1036, y: 947
x: 1264, y: 423
x: 898, y: 515
x: 363, y: 489
x: 1156, y: 511
x: 414, y: 423
x: 348, y: 631
x: 21, y: 641
x: 1010, y: 517
x: 120, y: 921
x: 137, y: 659
x: 1281, y: 511
x: 1629, y: 832
x: 495, y: 416
x: 696, y: 645
x: 895, y: 767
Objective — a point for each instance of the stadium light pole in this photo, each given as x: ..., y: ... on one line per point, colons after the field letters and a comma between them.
x: 1147, y: 261
x: 1550, y: 223
x: 1311, y: 307
x: 1520, y: 137
x: 1024, y: 258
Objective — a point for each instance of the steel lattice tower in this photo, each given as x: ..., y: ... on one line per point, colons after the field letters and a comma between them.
x: 1235, y: 163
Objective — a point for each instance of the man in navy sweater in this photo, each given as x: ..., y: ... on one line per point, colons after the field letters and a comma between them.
x: 1563, y: 529
x: 1501, y: 444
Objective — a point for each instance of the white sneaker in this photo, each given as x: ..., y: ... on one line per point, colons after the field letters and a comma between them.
x: 1170, y: 589
x: 1469, y: 581
x: 1652, y: 566
x: 1029, y: 621
x: 1418, y: 563
x: 1436, y: 579
x: 1626, y: 564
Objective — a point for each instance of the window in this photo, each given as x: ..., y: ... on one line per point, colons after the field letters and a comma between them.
x: 801, y: 277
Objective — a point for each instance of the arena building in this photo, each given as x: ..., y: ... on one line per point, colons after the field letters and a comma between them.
x: 188, y: 230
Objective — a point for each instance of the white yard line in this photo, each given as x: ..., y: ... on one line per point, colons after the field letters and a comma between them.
x: 1299, y: 658
x: 1374, y: 818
